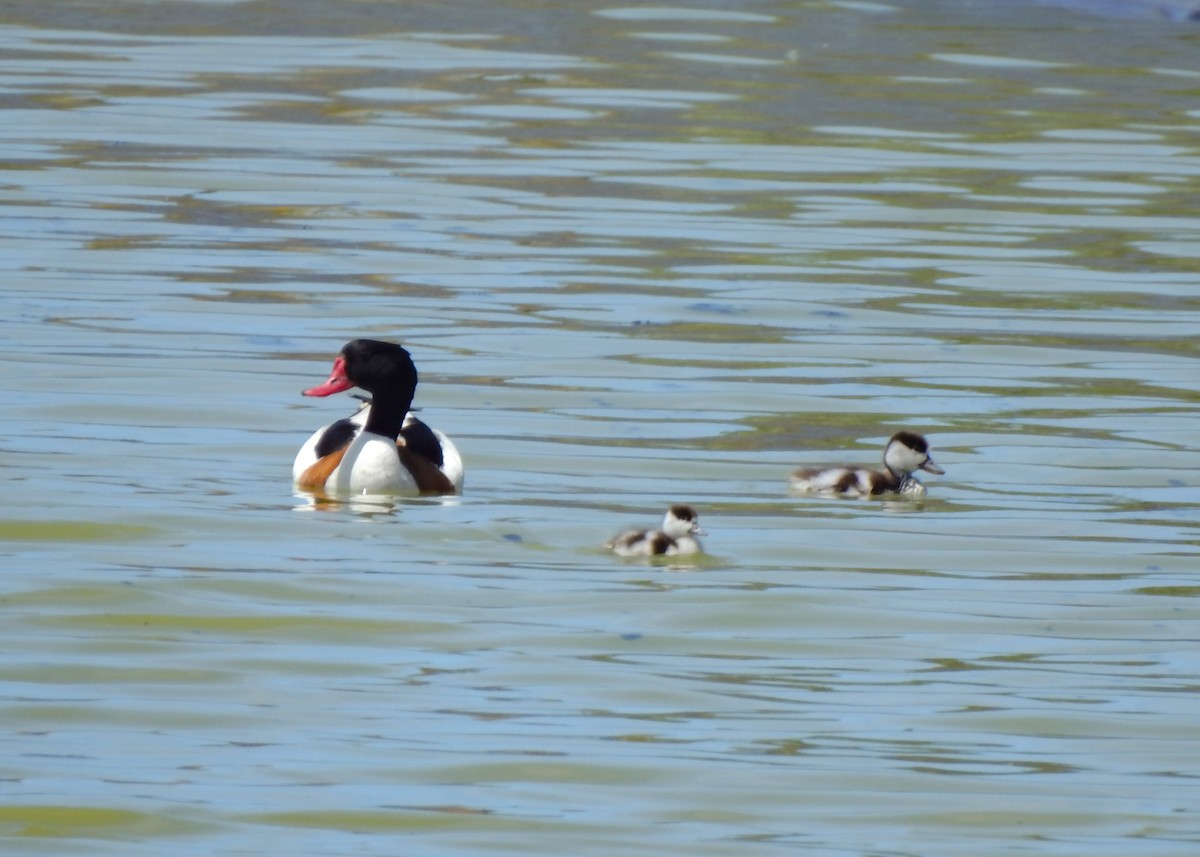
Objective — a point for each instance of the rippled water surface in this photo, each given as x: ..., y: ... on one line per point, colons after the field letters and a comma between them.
x: 641, y: 254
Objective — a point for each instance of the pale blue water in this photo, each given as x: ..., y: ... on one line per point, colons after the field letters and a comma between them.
x: 641, y: 254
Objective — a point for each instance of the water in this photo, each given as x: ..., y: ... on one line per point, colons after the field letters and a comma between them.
x: 641, y: 254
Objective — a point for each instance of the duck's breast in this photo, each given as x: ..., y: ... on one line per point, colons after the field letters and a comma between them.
x: 911, y: 487
x: 684, y: 546
x: 371, y: 465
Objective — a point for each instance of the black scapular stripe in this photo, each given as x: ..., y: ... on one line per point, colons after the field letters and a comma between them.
x: 336, y: 436
x: 420, y: 439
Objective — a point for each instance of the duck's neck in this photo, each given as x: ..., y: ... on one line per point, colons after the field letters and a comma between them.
x: 388, y: 408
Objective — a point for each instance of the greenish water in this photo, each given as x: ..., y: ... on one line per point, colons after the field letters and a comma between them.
x: 641, y: 254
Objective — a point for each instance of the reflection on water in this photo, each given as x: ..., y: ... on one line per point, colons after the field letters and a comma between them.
x: 641, y: 254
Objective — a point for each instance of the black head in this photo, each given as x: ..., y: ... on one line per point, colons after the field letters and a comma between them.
x: 383, y: 369
x: 684, y: 513
x: 378, y: 367
x: 912, y: 440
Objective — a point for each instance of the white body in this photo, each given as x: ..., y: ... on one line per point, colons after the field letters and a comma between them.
x: 371, y: 464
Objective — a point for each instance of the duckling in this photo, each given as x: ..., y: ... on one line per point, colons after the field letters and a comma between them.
x: 905, y: 453
x: 677, y: 537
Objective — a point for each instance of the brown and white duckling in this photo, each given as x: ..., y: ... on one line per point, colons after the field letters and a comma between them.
x: 677, y: 537
x: 905, y: 453
x: 383, y: 448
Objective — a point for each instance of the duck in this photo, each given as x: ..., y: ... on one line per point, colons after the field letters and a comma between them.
x: 905, y: 453
x: 677, y: 537
x: 382, y: 448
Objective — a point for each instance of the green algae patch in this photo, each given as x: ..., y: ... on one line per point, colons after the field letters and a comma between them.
x: 70, y: 531
x: 88, y: 822
x: 401, y: 820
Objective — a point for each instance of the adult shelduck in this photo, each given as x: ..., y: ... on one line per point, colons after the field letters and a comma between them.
x: 680, y: 527
x: 905, y: 453
x: 381, y: 449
